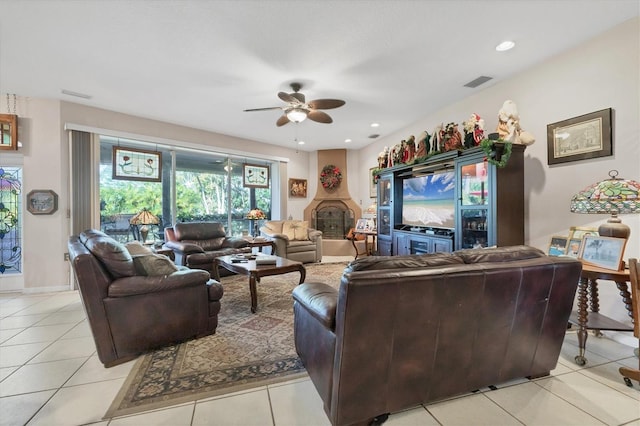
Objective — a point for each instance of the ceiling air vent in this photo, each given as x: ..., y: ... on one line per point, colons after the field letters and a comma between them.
x: 478, y: 81
x: 373, y: 136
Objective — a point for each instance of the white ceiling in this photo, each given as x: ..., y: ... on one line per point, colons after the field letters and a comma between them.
x: 201, y: 63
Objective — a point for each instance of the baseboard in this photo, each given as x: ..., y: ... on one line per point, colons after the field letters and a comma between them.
x: 51, y: 289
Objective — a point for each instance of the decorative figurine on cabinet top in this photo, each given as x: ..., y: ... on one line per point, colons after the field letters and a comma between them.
x: 509, y: 125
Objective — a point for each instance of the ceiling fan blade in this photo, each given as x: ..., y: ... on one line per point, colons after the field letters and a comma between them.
x: 262, y: 109
x: 282, y: 120
x: 326, y: 103
x: 319, y: 116
x: 288, y: 98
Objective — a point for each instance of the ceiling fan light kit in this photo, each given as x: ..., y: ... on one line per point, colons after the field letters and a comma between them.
x: 298, y: 110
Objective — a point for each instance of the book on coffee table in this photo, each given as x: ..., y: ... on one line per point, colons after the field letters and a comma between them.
x: 265, y: 260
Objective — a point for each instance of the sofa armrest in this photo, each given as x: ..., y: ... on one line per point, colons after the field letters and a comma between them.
x: 314, y: 234
x: 275, y: 236
x: 319, y: 300
x: 142, y: 284
x: 235, y: 242
x: 183, y: 248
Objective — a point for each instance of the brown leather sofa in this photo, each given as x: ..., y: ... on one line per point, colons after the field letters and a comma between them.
x: 132, y: 311
x: 407, y: 330
x: 196, y: 244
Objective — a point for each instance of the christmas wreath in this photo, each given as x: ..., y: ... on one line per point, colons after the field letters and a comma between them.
x: 330, y: 177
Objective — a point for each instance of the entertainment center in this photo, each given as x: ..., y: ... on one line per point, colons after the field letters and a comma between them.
x: 453, y: 200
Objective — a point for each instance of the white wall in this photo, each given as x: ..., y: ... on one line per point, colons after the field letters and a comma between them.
x: 602, y: 73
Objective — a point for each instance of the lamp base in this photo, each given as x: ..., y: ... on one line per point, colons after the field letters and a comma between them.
x: 614, y: 228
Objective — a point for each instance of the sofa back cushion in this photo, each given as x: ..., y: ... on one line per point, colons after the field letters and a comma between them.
x: 403, y: 262
x: 112, y: 254
x: 208, y: 235
x: 499, y: 254
x: 274, y: 226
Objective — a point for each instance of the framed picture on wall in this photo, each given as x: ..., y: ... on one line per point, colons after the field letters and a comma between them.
x: 372, y: 185
x: 42, y: 201
x: 580, y: 138
x: 136, y: 164
x: 255, y: 176
x: 298, y: 188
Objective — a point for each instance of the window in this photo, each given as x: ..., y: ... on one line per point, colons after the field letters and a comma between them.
x: 208, y: 187
x: 10, y: 220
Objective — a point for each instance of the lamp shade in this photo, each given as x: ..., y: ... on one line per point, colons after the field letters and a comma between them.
x: 611, y: 196
x: 296, y: 115
x: 144, y: 217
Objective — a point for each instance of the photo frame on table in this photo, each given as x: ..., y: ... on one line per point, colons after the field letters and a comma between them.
x: 557, y: 246
x: 580, y: 138
x: 603, y: 252
x: 573, y: 247
x: 578, y: 232
x: 372, y: 185
x: 42, y: 201
x: 255, y: 176
x: 136, y: 164
x: 298, y: 188
x: 361, y: 225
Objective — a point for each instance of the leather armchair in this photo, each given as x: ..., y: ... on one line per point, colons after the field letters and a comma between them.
x: 407, y: 330
x: 130, y: 312
x: 196, y: 244
x: 294, y: 240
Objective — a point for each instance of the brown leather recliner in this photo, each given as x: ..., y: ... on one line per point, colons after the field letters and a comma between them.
x: 130, y: 313
x: 406, y: 330
x: 196, y: 244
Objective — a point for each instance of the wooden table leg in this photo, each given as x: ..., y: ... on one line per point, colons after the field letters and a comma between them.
x: 582, y: 320
x: 303, y: 274
x: 254, y: 293
x: 626, y: 297
x: 216, y: 272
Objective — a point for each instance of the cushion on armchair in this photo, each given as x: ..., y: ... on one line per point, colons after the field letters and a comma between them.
x: 296, y: 229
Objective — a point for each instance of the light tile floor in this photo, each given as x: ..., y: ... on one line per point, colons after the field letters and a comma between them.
x: 50, y: 375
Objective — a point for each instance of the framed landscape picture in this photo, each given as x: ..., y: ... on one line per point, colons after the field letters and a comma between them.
x: 580, y: 138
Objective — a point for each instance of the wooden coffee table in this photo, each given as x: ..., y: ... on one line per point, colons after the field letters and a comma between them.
x: 255, y: 272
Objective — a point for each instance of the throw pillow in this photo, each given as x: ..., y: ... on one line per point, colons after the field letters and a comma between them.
x: 296, y: 230
x: 135, y: 248
x: 154, y: 264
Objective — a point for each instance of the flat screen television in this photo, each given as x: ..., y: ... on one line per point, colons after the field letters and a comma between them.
x: 429, y: 201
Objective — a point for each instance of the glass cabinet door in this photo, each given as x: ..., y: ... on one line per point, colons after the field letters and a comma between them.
x: 474, y: 187
x: 474, y: 228
x: 384, y: 222
x: 384, y: 191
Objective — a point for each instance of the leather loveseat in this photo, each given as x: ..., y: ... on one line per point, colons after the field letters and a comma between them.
x: 407, y: 330
x: 294, y: 240
x: 137, y: 303
x: 196, y: 244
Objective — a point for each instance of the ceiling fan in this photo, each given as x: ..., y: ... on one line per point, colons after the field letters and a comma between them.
x: 297, y: 109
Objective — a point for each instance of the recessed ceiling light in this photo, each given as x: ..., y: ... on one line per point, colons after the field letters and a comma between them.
x: 375, y: 124
x: 300, y: 142
x: 505, y: 45
x: 347, y: 140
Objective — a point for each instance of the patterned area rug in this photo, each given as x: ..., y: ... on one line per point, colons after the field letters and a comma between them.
x: 247, y: 351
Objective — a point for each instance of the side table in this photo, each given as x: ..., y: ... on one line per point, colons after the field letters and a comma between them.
x: 164, y: 251
x: 263, y: 243
x: 588, y: 298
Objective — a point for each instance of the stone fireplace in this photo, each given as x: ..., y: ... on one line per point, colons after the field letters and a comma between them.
x: 333, y: 211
